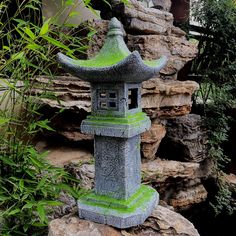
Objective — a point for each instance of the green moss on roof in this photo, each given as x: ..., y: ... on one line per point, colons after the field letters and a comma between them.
x: 113, y: 51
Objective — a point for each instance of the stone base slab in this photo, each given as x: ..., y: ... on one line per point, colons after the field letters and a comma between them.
x: 116, y: 127
x: 119, y: 213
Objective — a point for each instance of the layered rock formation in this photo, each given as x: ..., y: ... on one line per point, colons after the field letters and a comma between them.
x: 167, y: 98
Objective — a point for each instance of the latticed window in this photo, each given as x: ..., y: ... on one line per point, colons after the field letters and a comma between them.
x: 107, y: 100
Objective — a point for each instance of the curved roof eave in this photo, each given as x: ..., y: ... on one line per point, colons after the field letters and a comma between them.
x: 131, y: 69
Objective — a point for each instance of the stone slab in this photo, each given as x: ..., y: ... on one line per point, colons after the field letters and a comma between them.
x: 116, y: 127
x: 119, y: 213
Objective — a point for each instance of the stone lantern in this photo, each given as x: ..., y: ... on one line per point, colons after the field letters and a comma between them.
x: 116, y: 121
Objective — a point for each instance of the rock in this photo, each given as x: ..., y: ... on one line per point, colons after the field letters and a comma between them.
x: 162, y: 222
x: 75, y: 135
x: 68, y: 206
x: 230, y: 180
x: 151, y: 139
x: 165, y: 222
x: 162, y: 170
x: 187, y: 138
x: 145, y: 20
x: 179, y: 183
x: 167, y: 98
x: 185, y: 198
x: 86, y: 174
x: 61, y: 156
x: 177, y: 49
x: 73, y: 226
x: 65, y: 92
x: 163, y: 5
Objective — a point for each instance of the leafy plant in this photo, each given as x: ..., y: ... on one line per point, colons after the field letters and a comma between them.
x: 29, y: 186
x: 216, y: 64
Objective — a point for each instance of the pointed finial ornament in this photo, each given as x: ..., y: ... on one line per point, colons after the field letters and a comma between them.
x: 115, y: 28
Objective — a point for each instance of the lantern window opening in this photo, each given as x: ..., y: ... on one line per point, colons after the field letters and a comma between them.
x: 133, y: 98
x: 103, y: 105
x: 112, y: 94
x: 102, y: 94
x: 112, y: 104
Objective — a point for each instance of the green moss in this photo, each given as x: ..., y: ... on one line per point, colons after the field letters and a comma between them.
x: 113, y: 51
x: 130, y: 119
x: 137, y: 200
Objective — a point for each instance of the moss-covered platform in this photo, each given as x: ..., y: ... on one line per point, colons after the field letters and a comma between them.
x: 117, y: 212
x: 118, y: 127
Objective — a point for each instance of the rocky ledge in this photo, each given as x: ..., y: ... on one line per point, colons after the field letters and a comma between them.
x: 162, y: 222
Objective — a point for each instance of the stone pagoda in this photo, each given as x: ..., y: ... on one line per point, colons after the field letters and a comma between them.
x: 116, y: 121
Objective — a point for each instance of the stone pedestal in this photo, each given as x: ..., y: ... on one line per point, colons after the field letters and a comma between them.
x: 116, y: 212
x: 117, y: 166
x: 118, y: 198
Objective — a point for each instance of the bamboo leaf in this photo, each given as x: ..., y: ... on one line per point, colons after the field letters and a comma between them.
x: 56, y: 43
x: 41, y: 213
x: 4, y: 121
x: 30, y: 33
x: 45, y: 28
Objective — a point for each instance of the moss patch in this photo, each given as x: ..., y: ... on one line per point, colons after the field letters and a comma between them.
x: 130, y: 119
x: 138, y: 200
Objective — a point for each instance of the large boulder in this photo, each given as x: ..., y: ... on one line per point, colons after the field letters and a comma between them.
x: 187, y: 137
x: 162, y: 222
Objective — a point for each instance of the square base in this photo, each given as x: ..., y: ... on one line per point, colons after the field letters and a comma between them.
x: 119, y: 213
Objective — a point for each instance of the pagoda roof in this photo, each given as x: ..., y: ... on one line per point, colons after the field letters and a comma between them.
x: 114, y: 62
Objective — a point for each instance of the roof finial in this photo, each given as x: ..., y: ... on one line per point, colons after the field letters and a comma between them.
x: 115, y: 28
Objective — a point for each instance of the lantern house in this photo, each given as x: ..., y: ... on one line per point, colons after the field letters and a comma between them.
x: 116, y: 121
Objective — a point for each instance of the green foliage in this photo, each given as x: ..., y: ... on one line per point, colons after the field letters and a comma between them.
x: 216, y: 63
x: 217, y: 59
x: 29, y: 186
x: 222, y: 201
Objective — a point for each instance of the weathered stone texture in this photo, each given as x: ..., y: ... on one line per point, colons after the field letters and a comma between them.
x: 177, y: 49
x: 73, y: 226
x: 151, y: 139
x: 65, y: 92
x: 187, y: 137
x: 167, y: 98
x: 162, y: 170
x: 179, y: 183
x: 184, y: 199
x: 164, y: 5
x: 162, y: 222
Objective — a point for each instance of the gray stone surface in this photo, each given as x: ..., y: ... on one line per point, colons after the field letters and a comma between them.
x: 114, y: 62
x: 117, y: 166
x: 120, y: 219
x: 91, y: 126
x: 187, y: 137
